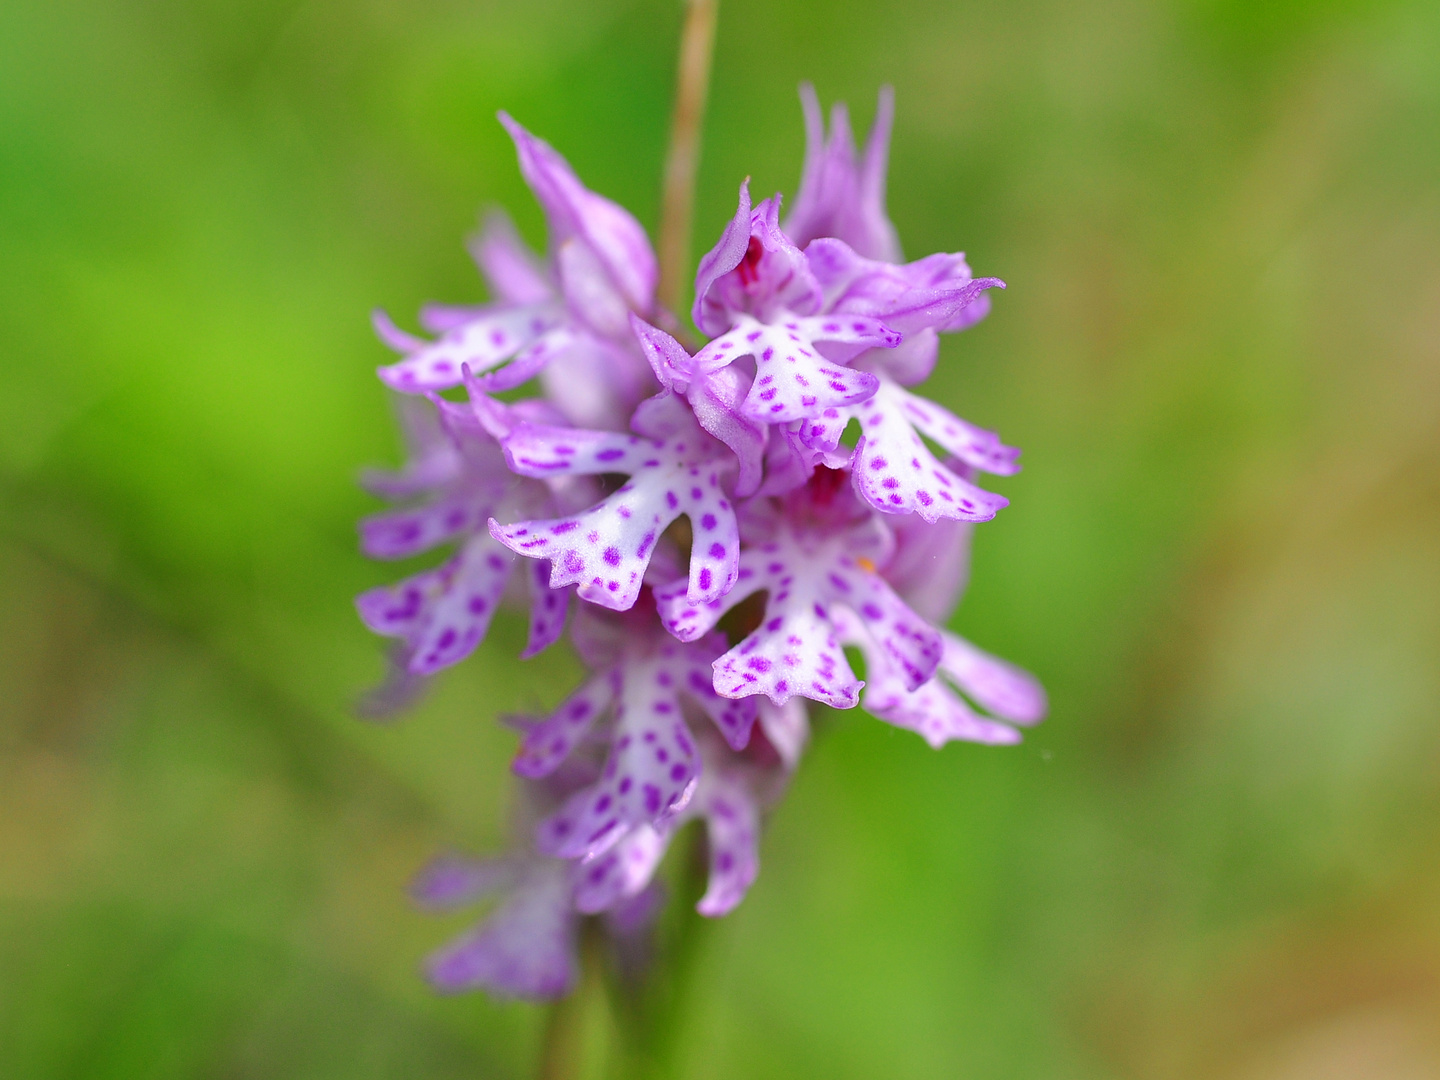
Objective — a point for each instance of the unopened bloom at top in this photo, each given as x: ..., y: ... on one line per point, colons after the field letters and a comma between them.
x: 727, y: 520
x: 840, y: 196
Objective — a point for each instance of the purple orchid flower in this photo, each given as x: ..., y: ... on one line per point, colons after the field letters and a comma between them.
x: 646, y: 681
x: 728, y: 799
x: 721, y: 540
x: 674, y: 468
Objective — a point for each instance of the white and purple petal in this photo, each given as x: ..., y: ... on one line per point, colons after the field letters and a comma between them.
x: 621, y: 872
x: 441, y: 614
x: 548, y: 742
x: 605, y: 550
x: 649, y: 776
x: 732, y: 823
x: 484, y: 342
x: 792, y: 380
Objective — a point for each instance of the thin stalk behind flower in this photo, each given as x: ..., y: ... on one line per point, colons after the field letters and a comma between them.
x: 697, y: 45
x: 566, y: 1048
x: 651, y: 1015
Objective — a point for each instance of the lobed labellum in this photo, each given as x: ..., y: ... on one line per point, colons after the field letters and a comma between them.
x: 653, y: 763
x: 606, y: 549
x: 792, y: 381
x: 441, y: 614
x: 895, y: 472
x: 483, y: 343
x: 795, y: 649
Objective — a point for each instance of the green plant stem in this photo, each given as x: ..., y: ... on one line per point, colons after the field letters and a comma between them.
x: 562, y: 1055
x: 651, y: 1014
x: 692, y: 82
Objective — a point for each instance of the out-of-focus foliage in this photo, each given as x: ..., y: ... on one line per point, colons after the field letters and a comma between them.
x: 1220, y: 351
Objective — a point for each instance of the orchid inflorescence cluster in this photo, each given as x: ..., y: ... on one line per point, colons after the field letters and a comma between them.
x: 700, y: 519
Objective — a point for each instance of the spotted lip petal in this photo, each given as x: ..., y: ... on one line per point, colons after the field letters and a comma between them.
x: 441, y: 614
x: 605, y: 550
x: 895, y: 472
x: 653, y: 764
x: 792, y: 381
x: 795, y: 650
x: 649, y: 776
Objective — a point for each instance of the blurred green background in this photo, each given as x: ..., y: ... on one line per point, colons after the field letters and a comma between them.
x: 1220, y: 351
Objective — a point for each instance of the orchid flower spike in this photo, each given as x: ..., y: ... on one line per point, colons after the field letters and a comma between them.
x: 711, y: 527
